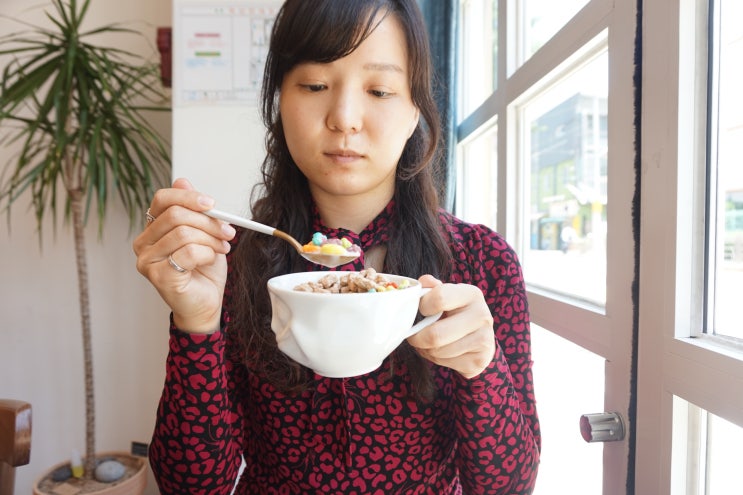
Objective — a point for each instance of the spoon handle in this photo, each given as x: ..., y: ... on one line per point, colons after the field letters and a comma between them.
x: 240, y: 221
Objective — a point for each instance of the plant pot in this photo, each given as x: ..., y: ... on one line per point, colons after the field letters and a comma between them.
x: 133, y: 482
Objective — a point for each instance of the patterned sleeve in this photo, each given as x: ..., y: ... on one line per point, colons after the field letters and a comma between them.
x: 495, y: 413
x: 196, y: 443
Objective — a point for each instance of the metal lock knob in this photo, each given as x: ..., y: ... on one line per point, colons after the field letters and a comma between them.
x: 602, y: 427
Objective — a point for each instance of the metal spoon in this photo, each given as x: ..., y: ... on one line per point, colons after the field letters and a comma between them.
x: 329, y: 260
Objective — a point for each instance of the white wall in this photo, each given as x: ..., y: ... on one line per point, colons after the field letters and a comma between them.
x: 40, y: 342
x: 218, y: 142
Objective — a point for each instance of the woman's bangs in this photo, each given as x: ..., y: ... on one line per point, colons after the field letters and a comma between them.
x: 332, y: 32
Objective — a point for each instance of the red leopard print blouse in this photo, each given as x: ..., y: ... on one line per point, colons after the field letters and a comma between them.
x: 359, y: 435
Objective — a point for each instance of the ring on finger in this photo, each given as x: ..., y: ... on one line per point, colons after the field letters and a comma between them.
x: 175, y: 265
x: 149, y: 217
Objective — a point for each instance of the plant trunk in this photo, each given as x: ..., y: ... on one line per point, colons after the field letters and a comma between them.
x: 76, y: 206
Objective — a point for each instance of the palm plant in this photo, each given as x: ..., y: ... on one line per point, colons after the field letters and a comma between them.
x: 75, y: 110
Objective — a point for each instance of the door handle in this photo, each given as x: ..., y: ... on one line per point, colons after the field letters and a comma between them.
x: 602, y: 427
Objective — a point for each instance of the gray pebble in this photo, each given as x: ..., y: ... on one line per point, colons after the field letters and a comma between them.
x: 109, y: 471
x: 62, y: 473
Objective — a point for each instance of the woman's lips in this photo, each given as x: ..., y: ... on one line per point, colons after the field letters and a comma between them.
x: 343, y: 156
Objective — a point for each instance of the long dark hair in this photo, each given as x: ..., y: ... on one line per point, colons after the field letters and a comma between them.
x: 324, y: 31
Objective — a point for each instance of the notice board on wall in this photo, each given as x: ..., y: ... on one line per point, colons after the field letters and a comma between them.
x: 219, y: 50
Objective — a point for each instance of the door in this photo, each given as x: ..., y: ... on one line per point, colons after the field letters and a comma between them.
x: 546, y: 157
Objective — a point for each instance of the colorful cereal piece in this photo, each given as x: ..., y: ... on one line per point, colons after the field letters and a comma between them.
x: 311, y: 248
x: 318, y: 239
x: 332, y: 249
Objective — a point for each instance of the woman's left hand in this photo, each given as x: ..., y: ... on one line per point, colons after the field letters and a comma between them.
x: 463, y: 338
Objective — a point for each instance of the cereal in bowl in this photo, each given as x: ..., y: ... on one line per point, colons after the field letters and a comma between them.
x: 354, y: 282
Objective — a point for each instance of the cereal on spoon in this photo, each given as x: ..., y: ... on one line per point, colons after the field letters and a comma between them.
x: 320, y: 243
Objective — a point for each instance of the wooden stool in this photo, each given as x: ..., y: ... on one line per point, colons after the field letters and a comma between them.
x: 15, y: 440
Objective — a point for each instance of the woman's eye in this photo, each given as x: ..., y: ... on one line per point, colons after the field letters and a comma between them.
x: 380, y: 93
x: 314, y: 87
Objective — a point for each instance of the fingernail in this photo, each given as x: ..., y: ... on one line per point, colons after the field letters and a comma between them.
x: 206, y: 201
x: 228, y: 229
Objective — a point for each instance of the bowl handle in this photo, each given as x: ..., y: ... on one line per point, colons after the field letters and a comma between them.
x: 421, y: 325
x: 424, y: 322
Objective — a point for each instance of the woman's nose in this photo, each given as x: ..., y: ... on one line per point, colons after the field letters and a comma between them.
x: 345, y: 113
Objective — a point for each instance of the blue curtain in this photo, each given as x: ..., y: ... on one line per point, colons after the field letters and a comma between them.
x: 441, y: 19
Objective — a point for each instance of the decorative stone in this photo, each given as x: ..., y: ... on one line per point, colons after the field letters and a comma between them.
x: 109, y: 471
x: 62, y: 473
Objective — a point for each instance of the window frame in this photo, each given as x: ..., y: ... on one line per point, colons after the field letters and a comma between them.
x: 607, y: 333
x: 677, y: 364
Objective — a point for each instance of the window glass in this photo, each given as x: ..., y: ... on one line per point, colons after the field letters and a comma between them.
x: 724, y: 439
x: 478, y: 53
x: 565, y: 455
x: 564, y: 142
x: 726, y: 191
x: 541, y: 19
x: 706, y: 455
x: 477, y: 182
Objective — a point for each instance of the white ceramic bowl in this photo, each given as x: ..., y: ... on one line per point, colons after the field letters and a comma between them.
x: 342, y: 335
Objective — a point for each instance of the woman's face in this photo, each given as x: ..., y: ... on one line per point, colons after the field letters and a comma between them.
x: 346, y: 122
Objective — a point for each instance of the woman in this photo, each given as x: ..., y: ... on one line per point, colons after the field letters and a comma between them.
x: 352, y: 133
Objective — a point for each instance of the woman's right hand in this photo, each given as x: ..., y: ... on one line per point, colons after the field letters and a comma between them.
x: 194, y: 242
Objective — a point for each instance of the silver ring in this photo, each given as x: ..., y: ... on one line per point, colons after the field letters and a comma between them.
x: 175, y: 265
x: 149, y: 217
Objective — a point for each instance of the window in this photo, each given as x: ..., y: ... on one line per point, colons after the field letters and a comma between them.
x: 478, y: 178
x: 478, y: 53
x: 718, y: 439
x: 541, y: 19
x: 725, y: 138
x: 564, y: 135
x: 542, y: 144
x: 546, y: 117
x: 710, y: 446
x: 690, y: 339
